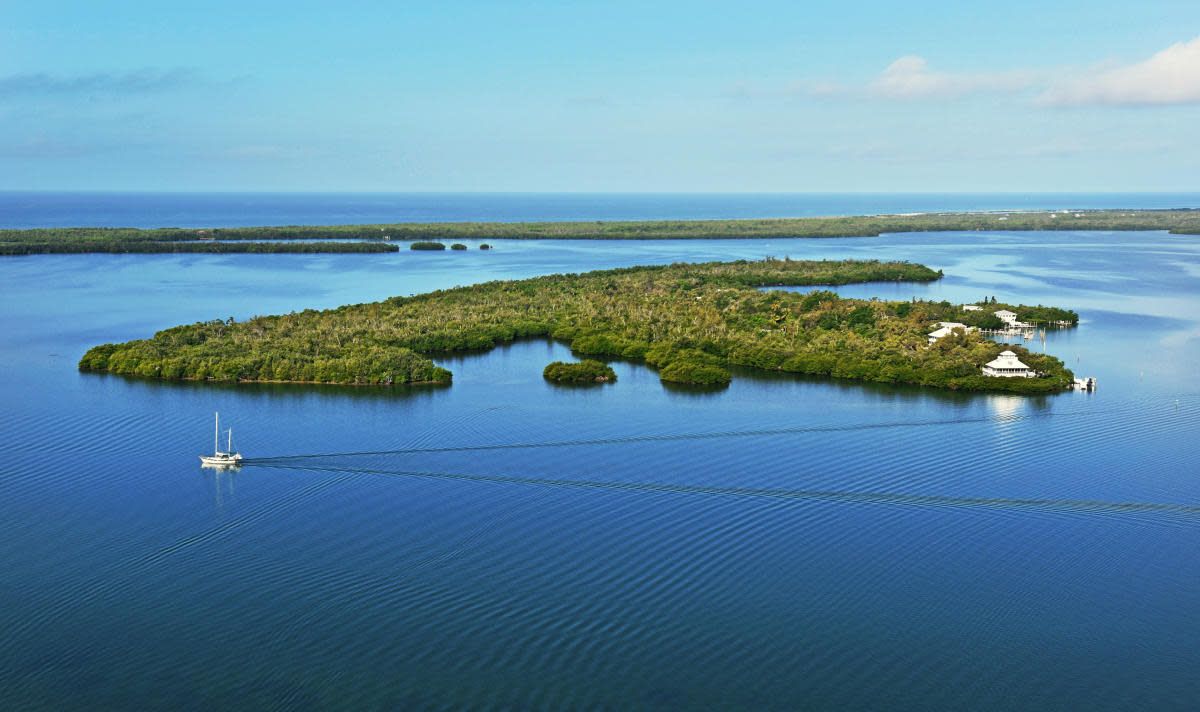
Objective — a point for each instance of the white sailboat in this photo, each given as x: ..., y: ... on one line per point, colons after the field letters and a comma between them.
x: 229, y: 458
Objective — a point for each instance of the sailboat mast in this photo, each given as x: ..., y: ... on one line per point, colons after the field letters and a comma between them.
x: 229, y: 447
x: 217, y: 433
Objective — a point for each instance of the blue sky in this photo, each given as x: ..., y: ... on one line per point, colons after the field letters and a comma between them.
x: 614, y: 96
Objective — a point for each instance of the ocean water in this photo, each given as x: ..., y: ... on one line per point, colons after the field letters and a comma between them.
x: 194, y: 210
x: 503, y: 543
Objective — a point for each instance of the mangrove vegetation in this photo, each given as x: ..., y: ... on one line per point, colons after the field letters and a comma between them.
x: 691, y: 321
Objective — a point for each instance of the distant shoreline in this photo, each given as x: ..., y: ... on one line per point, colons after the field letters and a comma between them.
x: 383, y: 237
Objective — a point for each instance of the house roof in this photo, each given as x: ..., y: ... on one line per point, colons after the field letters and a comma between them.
x: 1006, y: 359
x: 947, y: 327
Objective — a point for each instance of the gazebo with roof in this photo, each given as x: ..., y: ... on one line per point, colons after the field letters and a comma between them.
x: 1007, y: 365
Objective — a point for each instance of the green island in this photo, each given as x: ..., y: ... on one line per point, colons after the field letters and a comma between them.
x: 586, y: 371
x: 691, y: 321
x: 378, y: 238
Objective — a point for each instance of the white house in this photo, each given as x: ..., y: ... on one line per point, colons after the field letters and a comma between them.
x: 1007, y: 316
x: 972, y: 307
x: 1007, y: 365
x: 946, y: 328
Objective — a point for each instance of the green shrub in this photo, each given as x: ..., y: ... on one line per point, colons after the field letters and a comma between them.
x: 427, y: 246
x: 97, y: 357
x: 981, y: 319
x: 601, y: 344
x: 813, y: 299
x: 1043, y: 313
x: 685, y: 371
x: 458, y: 246
x: 635, y: 349
x: 861, y: 315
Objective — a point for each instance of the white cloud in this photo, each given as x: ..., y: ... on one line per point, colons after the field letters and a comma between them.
x: 910, y: 78
x: 1170, y: 77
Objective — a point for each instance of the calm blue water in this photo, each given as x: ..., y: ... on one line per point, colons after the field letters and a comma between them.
x: 27, y: 210
x: 785, y: 543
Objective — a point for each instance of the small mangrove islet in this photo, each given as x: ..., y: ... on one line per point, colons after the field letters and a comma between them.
x: 690, y: 321
x: 586, y: 371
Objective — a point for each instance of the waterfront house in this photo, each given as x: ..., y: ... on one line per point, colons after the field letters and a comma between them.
x: 1007, y: 365
x: 947, y: 328
x: 1007, y: 316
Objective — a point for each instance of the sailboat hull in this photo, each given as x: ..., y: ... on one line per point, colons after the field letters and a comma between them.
x: 221, y: 460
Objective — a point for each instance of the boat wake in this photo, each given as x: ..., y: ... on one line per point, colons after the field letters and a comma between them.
x: 881, y: 490
x: 1053, y: 505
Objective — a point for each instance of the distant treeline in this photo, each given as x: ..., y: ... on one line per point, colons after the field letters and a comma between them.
x: 691, y: 321
x: 97, y: 239
x: 76, y: 246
